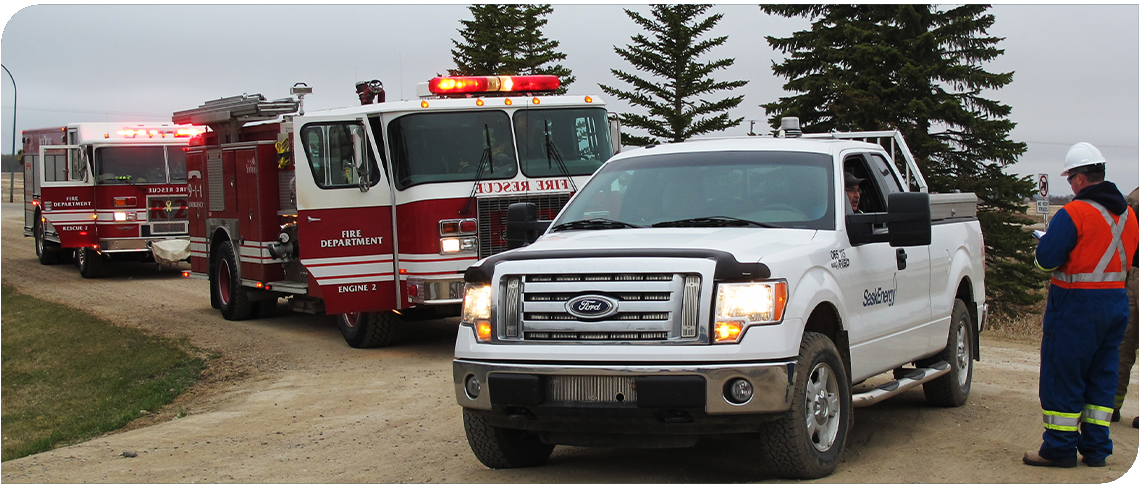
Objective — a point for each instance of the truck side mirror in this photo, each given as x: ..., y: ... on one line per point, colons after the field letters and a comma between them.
x: 523, y: 226
x: 363, y: 172
x: 615, y: 132
x: 907, y: 220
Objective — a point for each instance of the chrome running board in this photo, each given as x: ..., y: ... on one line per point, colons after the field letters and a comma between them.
x: 910, y: 378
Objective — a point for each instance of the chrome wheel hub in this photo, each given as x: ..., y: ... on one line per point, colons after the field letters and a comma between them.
x: 823, y: 407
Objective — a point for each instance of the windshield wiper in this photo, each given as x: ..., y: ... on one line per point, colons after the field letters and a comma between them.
x: 595, y: 224
x: 714, y: 221
x: 485, y: 163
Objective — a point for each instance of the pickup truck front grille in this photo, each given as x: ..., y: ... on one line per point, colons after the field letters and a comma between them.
x: 636, y: 308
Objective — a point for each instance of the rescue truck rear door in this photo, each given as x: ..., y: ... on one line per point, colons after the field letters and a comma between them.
x: 344, y: 214
x: 67, y: 195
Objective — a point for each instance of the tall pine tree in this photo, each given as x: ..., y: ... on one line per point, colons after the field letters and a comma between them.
x: 508, y: 40
x: 917, y: 69
x: 671, y: 94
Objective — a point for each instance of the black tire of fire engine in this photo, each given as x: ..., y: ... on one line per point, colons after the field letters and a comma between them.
x: 787, y: 442
x: 953, y: 388
x: 238, y: 308
x: 89, y: 262
x: 503, y: 447
x: 46, y: 251
x: 372, y: 329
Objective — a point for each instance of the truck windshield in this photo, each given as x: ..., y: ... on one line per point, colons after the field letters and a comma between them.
x: 579, y: 137
x: 450, y: 147
x: 140, y: 164
x: 785, y: 189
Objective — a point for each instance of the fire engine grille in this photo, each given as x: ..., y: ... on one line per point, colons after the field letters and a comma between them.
x: 165, y: 229
x: 647, y: 307
x: 493, y: 219
x: 167, y: 209
x: 214, y: 175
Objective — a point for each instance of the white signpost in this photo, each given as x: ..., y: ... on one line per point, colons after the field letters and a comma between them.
x: 1043, y: 195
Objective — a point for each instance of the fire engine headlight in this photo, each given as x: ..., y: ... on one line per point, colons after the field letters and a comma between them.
x: 122, y: 216
x: 457, y: 245
x: 477, y: 310
x: 739, y: 305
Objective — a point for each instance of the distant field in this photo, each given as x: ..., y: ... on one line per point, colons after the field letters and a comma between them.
x: 13, y: 182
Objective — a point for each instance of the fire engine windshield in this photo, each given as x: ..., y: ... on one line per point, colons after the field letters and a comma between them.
x: 451, y: 147
x: 709, y: 189
x: 556, y: 142
x: 140, y: 165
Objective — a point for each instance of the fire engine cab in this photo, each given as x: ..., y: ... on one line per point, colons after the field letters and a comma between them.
x: 373, y: 213
x: 99, y: 191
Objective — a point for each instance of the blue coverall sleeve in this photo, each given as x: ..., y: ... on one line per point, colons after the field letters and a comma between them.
x: 1054, y: 247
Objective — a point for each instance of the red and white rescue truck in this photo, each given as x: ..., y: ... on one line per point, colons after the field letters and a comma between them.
x: 100, y: 191
x: 373, y: 213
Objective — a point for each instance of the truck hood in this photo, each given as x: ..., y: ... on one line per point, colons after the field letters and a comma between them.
x: 747, y: 244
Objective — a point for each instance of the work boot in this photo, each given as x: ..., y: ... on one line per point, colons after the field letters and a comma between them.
x: 1134, y: 421
x: 1115, y: 415
x: 1092, y: 463
x: 1032, y: 458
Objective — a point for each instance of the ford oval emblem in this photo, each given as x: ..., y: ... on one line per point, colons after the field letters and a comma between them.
x: 591, y: 307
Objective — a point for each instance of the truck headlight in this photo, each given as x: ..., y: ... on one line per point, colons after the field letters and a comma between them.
x: 477, y: 309
x: 453, y: 245
x: 739, y: 305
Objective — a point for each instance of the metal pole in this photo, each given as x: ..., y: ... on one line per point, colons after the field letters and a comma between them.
x: 12, y: 174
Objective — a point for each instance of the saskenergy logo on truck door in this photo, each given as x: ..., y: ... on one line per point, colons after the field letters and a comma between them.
x: 878, y: 296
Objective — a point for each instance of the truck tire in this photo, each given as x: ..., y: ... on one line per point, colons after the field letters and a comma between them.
x: 46, y: 251
x: 503, y: 447
x: 89, y: 262
x: 808, y: 441
x: 369, y: 329
x: 953, y: 388
x: 232, y: 298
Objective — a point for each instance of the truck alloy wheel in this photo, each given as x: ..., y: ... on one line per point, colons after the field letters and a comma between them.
x: 89, y: 262
x: 232, y: 298
x: 808, y: 441
x: 953, y: 388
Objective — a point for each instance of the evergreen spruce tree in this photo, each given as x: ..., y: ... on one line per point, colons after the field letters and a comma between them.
x: 508, y: 40
x: 917, y: 69
x: 671, y: 93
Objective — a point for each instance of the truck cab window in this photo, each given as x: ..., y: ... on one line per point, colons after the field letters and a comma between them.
x: 579, y: 137
x: 130, y: 165
x: 329, y: 148
x: 450, y: 147
x: 871, y: 195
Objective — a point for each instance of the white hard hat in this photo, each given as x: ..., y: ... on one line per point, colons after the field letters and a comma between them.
x: 1083, y: 157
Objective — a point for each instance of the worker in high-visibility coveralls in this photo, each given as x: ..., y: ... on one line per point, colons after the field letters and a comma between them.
x: 1089, y: 247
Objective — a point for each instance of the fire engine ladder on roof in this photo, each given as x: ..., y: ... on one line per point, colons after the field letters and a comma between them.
x: 896, y: 147
x: 226, y: 116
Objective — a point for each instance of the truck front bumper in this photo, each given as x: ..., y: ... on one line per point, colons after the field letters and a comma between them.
x: 703, y: 387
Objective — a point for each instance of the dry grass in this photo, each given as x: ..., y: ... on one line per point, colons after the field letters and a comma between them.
x: 1024, y: 329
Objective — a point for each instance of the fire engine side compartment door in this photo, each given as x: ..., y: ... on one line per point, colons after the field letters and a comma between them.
x: 67, y: 196
x: 344, y: 222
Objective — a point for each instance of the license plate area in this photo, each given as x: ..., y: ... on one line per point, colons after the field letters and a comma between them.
x: 599, y: 390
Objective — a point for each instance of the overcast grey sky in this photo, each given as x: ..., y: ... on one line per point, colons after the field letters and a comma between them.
x: 1077, y: 67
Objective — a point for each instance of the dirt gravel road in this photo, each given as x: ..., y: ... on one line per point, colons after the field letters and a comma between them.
x: 288, y: 402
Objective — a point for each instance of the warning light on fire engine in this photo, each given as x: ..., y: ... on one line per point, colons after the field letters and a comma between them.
x: 131, y: 133
x: 589, y: 99
x: 490, y: 84
x: 185, y: 273
x: 424, y: 104
x: 478, y: 102
x: 507, y: 102
x: 535, y: 100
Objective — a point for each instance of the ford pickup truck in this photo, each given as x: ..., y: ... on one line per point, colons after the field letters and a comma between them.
x: 723, y: 286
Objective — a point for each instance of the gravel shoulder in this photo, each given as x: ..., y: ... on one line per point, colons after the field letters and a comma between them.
x: 286, y: 401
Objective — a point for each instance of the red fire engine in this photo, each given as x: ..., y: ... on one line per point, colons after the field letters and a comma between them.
x: 373, y: 213
x: 106, y: 190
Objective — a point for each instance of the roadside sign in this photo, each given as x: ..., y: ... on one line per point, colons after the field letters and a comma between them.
x: 1043, y: 187
x: 1042, y: 206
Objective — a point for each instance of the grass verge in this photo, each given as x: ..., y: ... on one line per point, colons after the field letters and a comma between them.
x: 69, y: 376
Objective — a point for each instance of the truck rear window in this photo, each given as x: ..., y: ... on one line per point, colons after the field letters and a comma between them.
x: 787, y: 189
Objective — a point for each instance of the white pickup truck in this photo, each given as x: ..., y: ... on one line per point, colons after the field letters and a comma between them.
x: 723, y: 286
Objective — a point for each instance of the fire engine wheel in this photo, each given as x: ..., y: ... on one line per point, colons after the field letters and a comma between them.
x: 369, y: 329
x: 89, y: 261
x: 503, y: 447
x: 808, y: 441
x: 232, y: 298
x: 953, y: 388
x: 46, y: 251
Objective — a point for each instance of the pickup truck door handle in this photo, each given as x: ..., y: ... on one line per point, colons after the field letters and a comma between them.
x: 900, y: 257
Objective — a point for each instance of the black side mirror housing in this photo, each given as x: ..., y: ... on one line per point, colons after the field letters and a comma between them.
x: 907, y: 222
x: 523, y: 226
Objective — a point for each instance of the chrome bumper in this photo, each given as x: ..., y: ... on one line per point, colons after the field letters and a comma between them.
x: 772, y: 382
